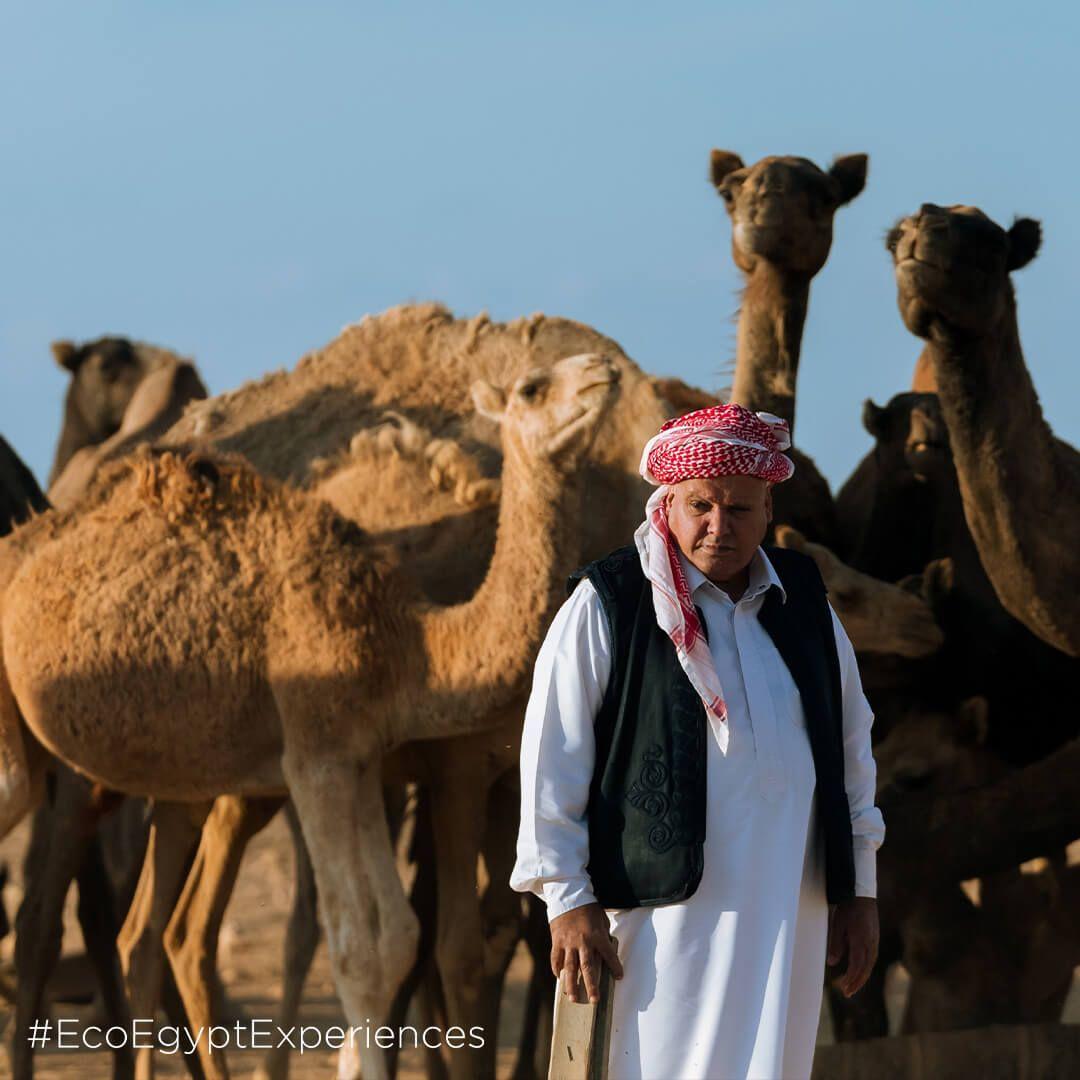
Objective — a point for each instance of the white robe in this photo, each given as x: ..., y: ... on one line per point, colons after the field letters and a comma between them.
x: 728, y: 983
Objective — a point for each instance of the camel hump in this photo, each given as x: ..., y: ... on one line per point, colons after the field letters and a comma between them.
x: 198, y: 486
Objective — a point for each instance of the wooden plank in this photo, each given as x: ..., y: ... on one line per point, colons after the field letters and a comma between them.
x: 581, y: 1032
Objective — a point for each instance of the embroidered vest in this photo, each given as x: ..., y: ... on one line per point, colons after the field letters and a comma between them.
x: 646, y: 809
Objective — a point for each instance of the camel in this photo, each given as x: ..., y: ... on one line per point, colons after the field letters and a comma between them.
x: 157, y: 402
x: 903, y: 508
x: 782, y: 211
x: 105, y: 374
x: 280, y: 617
x: 878, y: 617
x: 416, y: 360
x: 122, y: 394
x: 1020, y: 485
x: 20, y: 495
x: 1006, y: 954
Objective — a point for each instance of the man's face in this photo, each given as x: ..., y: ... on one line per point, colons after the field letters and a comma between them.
x: 719, y: 523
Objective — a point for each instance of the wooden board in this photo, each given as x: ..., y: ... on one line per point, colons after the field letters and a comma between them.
x: 581, y: 1033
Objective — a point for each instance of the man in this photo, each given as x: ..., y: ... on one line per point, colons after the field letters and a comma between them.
x: 697, y: 776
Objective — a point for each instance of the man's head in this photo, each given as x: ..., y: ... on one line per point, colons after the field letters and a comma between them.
x: 715, y: 468
x: 719, y: 522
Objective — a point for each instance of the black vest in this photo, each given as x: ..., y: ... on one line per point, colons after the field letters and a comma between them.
x: 646, y: 810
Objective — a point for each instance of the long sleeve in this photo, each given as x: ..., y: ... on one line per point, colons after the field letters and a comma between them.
x: 860, y: 771
x: 558, y: 750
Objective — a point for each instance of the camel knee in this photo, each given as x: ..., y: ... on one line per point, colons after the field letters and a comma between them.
x: 376, y: 964
x: 459, y: 952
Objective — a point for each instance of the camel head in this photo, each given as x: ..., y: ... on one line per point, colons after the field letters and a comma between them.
x: 935, y: 749
x: 782, y: 208
x: 952, y: 269
x: 910, y: 436
x: 552, y: 414
x: 104, y: 376
x: 878, y: 617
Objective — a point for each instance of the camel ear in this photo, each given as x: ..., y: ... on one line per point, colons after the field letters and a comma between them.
x: 787, y: 537
x: 874, y: 419
x: 721, y: 164
x: 914, y: 584
x: 939, y: 581
x: 1025, y: 236
x: 973, y: 721
x: 489, y: 400
x: 65, y: 354
x: 848, y: 175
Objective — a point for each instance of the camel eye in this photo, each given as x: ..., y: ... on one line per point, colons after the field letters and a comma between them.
x: 529, y: 391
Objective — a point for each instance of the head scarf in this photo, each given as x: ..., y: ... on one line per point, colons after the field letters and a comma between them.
x: 722, y: 440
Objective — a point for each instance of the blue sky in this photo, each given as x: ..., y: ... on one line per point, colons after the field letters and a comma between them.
x: 240, y: 180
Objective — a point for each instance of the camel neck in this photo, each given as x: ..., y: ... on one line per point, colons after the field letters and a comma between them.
x: 1001, y: 444
x: 989, y: 401
x: 769, y: 340
x: 486, y: 647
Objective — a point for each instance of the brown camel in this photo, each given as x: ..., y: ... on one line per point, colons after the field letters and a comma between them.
x: 903, y: 508
x: 1020, y: 485
x: 121, y: 394
x: 1006, y: 954
x: 281, y: 620
x: 877, y: 616
x: 157, y: 401
x: 20, y: 496
x: 105, y: 374
x: 782, y: 211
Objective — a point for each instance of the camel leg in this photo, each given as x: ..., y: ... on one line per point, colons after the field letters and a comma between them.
x: 99, y: 924
x: 458, y: 811
x: 421, y: 986
x: 63, y: 834
x: 301, y: 940
x: 191, y: 937
x: 501, y: 907
x: 534, y: 1049
x: 173, y: 833
x: 371, y: 931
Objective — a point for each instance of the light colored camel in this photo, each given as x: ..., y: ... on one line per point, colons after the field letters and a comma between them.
x: 417, y: 360
x: 877, y: 616
x: 278, y: 624
x: 1020, y: 485
x: 782, y: 211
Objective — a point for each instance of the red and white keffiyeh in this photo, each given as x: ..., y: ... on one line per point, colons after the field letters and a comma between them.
x: 722, y: 440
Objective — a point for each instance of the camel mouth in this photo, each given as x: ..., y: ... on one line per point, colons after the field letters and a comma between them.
x: 909, y: 261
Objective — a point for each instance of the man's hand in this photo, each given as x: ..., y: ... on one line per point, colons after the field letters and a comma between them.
x: 580, y: 941
x: 853, y: 933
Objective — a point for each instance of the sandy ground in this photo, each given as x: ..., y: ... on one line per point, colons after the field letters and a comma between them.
x: 251, y: 965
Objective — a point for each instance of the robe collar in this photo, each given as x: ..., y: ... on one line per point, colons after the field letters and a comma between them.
x: 763, y: 576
